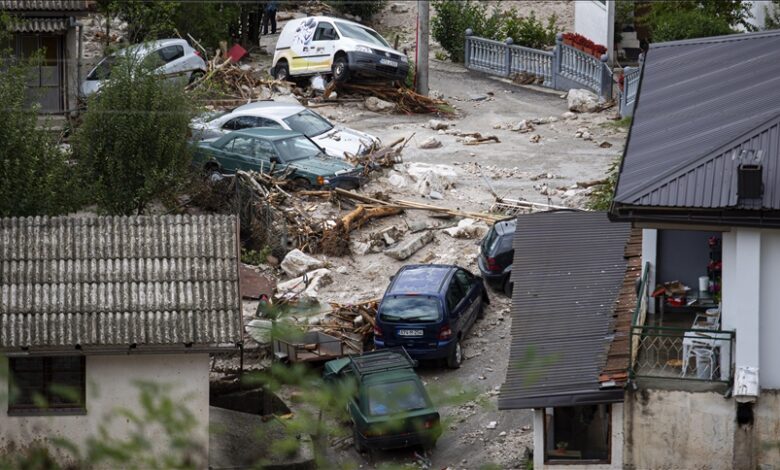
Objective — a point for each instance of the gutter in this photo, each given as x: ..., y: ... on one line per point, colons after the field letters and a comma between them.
x: 128, y: 350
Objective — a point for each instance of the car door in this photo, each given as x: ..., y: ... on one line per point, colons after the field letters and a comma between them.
x: 454, y: 299
x: 267, y: 157
x: 239, y: 154
x: 322, y: 48
x: 471, y: 300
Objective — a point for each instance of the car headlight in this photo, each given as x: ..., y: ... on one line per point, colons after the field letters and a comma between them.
x: 364, y: 49
x: 404, y: 59
x: 322, y: 181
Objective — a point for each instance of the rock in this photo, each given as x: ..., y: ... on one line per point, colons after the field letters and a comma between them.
x: 396, y: 179
x: 430, y: 143
x: 342, y: 270
x: 501, y: 434
x: 378, y: 106
x: 492, y: 425
x: 467, y: 228
x: 437, y: 124
x: 435, y: 195
x: 286, y: 99
x: 436, y: 94
x: 410, y: 246
x: 399, y: 8
x: 429, y: 177
x: 605, y: 145
x: 305, y: 286
x: 523, y: 126
x: 569, y: 116
x: 297, y: 262
x: 587, y: 136
x: 478, y: 97
x: 272, y: 260
x: 534, y: 139
x: 359, y: 248
x: 582, y: 101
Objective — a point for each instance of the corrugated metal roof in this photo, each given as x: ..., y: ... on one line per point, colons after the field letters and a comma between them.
x: 39, y: 25
x: 44, y: 5
x: 569, y: 267
x: 113, y: 281
x: 698, y: 101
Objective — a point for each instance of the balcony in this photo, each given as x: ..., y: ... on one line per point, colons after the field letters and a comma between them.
x: 688, y: 347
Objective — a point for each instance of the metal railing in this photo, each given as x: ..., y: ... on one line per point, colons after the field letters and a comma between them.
x: 679, y: 353
x: 563, y: 68
x: 631, y: 76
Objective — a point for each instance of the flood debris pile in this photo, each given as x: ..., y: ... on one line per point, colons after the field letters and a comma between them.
x: 230, y: 84
x: 405, y: 100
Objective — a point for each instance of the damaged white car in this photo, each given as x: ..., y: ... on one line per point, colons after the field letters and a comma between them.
x: 335, y: 140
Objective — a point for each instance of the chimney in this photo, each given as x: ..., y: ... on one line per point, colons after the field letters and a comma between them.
x: 749, y: 175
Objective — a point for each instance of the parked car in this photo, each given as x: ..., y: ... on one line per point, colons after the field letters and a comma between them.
x: 496, y: 255
x: 428, y: 309
x: 278, y: 152
x: 324, y: 45
x: 388, y: 404
x: 174, y: 58
x: 334, y: 139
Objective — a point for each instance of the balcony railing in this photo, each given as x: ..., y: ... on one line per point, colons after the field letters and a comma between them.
x: 704, y: 353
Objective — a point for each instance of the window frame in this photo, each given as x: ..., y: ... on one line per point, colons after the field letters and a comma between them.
x: 55, y: 408
x: 323, y: 25
x: 574, y: 461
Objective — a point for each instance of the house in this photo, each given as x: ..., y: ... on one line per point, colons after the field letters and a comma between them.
x: 97, y: 305
x: 51, y: 26
x: 701, y: 177
x: 571, y: 314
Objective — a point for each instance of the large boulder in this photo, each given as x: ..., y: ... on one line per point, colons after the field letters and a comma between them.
x: 378, y: 106
x: 432, y: 178
x: 582, y: 101
x: 409, y: 246
x: 430, y: 143
x: 297, y: 262
x: 467, y: 228
x: 305, y: 286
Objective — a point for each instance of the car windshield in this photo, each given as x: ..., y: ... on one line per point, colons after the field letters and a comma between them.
x: 308, y: 123
x: 410, y: 308
x: 103, y: 69
x: 395, y: 397
x: 296, y: 148
x: 360, y: 33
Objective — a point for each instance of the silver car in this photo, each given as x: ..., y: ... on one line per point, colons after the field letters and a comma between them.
x: 335, y: 140
x: 179, y: 61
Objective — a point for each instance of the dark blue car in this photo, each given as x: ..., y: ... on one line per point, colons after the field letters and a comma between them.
x: 428, y: 309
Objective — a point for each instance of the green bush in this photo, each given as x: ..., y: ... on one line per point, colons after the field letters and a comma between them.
x: 690, y: 24
x: 454, y: 17
x: 208, y: 22
x: 772, y: 20
x: 365, y: 9
x: 35, y: 176
x: 132, y: 144
x: 529, y: 31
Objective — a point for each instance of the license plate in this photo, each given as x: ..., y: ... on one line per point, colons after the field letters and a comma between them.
x: 410, y: 332
x: 391, y: 63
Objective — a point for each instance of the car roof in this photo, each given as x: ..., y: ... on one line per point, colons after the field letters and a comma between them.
x: 425, y: 279
x: 267, y: 133
x: 152, y: 45
x: 505, y: 227
x: 270, y: 109
x: 341, y: 20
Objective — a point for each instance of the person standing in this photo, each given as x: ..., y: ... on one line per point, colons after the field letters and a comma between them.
x: 270, y: 15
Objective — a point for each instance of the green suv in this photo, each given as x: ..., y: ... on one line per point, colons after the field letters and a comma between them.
x: 278, y: 152
x: 390, y: 407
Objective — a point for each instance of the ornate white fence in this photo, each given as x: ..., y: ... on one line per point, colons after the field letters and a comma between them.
x: 562, y: 68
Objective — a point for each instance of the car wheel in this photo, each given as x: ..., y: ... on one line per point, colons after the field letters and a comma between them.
x: 301, y: 184
x: 195, y: 76
x: 359, y: 447
x: 340, y: 69
x: 282, y: 71
x: 212, y: 174
x: 508, y: 287
x: 455, y: 359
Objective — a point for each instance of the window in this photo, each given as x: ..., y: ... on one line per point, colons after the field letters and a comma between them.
x: 296, y: 148
x: 394, y: 397
x: 264, y: 149
x: 577, y: 434
x: 242, y: 146
x: 408, y: 308
x: 40, y: 384
x: 359, y: 33
x: 241, y: 122
x: 464, y: 281
x: 171, y: 53
x: 325, y: 32
x: 454, y: 295
x: 308, y: 123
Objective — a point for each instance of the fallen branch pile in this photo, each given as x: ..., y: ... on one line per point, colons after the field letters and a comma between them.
x: 228, y: 80
x: 380, y: 157
x: 406, y: 100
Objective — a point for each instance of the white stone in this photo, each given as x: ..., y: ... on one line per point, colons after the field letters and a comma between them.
x: 430, y: 143
x: 432, y: 177
x: 305, y: 286
x: 409, y: 246
x: 297, y: 262
x: 582, y: 101
x: 492, y: 425
x: 396, y: 179
x: 568, y: 115
x: 378, y: 106
x: 437, y: 124
x: 467, y: 228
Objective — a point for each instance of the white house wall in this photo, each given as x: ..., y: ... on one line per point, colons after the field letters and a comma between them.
x: 110, y: 384
x: 769, y: 319
x: 595, y: 20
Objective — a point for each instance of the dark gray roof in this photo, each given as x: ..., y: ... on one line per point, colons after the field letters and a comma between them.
x: 569, y: 267
x: 699, y: 101
x: 103, y: 282
x: 44, y: 5
x: 40, y: 25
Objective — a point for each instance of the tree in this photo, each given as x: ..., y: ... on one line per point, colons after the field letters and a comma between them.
x: 132, y: 144
x: 365, y: 9
x: 35, y: 176
x: 148, y: 20
x: 688, y: 19
x: 772, y: 20
x: 452, y: 19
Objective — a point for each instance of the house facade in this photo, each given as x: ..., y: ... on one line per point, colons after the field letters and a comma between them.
x: 53, y: 27
x: 700, y: 177
x: 93, y: 308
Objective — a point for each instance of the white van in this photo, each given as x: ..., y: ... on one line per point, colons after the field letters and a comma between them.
x: 320, y: 44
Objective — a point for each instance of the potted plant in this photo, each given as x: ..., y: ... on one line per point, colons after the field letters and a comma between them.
x: 599, y: 50
x: 569, y: 38
x: 560, y: 447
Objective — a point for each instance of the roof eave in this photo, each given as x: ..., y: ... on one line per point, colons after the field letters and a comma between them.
x: 719, y: 216
x: 119, y: 350
x: 586, y: 397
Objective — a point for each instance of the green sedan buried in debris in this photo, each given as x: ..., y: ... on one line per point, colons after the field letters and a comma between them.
x: 278, y: 152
